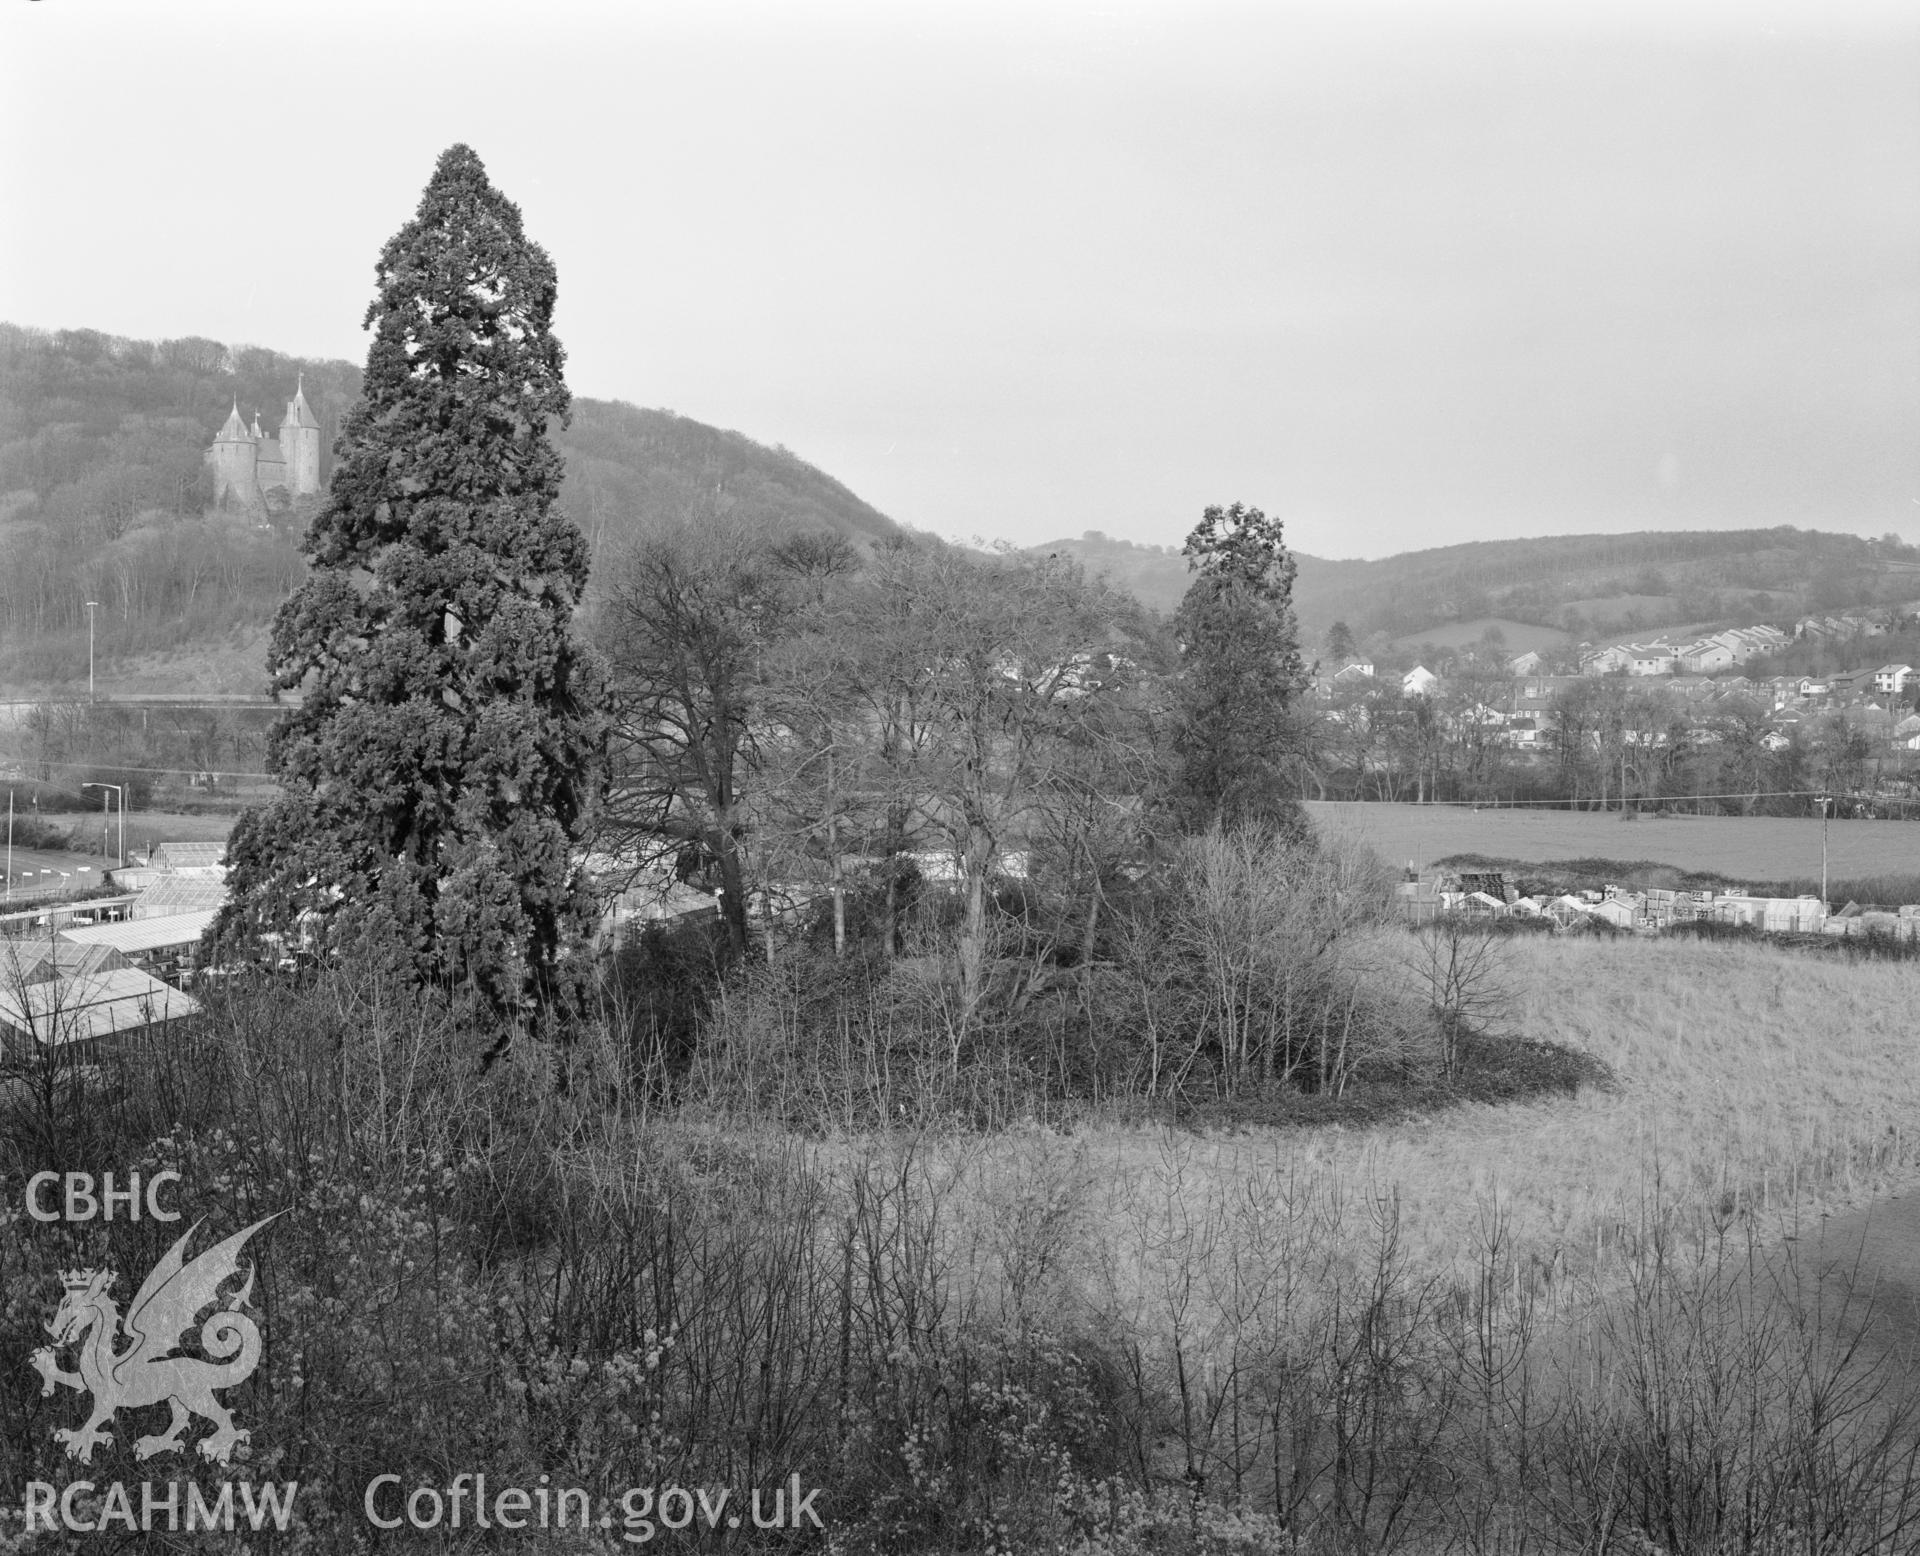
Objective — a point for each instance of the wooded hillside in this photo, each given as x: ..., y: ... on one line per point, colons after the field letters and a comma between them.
x: 104, y: 497
x: 104, y: 494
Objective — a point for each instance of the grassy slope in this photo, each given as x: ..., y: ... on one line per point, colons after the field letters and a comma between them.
x: 1520, y: 636
x: 1745, y: 1078
x: 236, y: 663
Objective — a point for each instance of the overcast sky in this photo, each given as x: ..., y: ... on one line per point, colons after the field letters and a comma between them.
x: 1402, y: 274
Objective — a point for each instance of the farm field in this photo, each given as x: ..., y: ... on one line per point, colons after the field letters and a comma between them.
x: 147, y: 827
x: 1605, y: 611
x: 1742, y: 848
x: 1520, y: 635
x: 144, y: 829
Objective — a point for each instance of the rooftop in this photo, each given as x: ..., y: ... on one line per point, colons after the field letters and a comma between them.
x: 24, y: 962
x: 71, y: 1010
x: 144, y: 934
x: 187, y: 856
x: 180, y: 894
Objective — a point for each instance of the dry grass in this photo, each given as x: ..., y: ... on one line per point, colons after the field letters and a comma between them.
x: 1749, y: 1082
x: 1741, y: 848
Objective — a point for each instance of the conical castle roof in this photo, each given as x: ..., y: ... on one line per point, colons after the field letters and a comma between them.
x: 234, y: 430
x: 299, y: 413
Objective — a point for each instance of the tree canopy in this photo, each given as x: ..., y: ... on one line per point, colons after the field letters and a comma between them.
x: 1241, y: 670
x: 447, y: 752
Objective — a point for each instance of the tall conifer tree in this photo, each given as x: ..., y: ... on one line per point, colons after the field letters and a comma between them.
x: 1240, y: 670
x: 446, y: 752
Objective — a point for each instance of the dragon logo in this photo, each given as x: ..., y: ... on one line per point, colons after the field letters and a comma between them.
x: 146, y: 1372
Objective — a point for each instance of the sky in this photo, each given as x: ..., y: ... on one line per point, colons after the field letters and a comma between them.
x: 1403, y: 274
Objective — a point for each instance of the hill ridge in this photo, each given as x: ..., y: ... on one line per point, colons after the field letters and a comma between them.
x: 104, y: 495
x: 1585, y: 584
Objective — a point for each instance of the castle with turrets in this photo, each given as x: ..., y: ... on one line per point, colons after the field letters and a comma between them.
x: 259, y: 472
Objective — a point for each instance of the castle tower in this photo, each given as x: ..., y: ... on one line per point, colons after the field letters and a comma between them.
x: 232, y: 459
x: 300, y: 443
x: 269, y: 469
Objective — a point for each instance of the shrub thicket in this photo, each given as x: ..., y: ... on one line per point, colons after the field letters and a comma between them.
x: 489, y: 1272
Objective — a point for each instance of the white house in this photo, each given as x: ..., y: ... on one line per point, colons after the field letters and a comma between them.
x: 1892, y: 678
x: 1419, y: 682
x: 1748, y: 641
x: 1654, y: 658
x: 1706, y: 655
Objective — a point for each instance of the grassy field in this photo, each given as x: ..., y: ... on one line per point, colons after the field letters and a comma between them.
x: 90, y: 830
x: 1520, y: 636
x: 1604, y: 610
x: 1741, y: 848
x: 1753, y: 1090
x: 147, y: 827
x: 1749, y: 1083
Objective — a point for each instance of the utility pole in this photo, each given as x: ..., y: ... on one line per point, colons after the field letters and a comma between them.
x: 92, y: 606
x: 9, y: 845
x: 1825, y: 802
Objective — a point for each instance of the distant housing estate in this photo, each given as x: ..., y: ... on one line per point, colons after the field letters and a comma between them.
x: 1699, y: 656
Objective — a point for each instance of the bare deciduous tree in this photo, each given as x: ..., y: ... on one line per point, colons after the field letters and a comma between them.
x: 1460, y: 965
x: 691, y: 614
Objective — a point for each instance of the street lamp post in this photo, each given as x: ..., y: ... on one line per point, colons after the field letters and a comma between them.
x: 120, y: 794
x: 92, y: 606
x: 1825, y: 802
